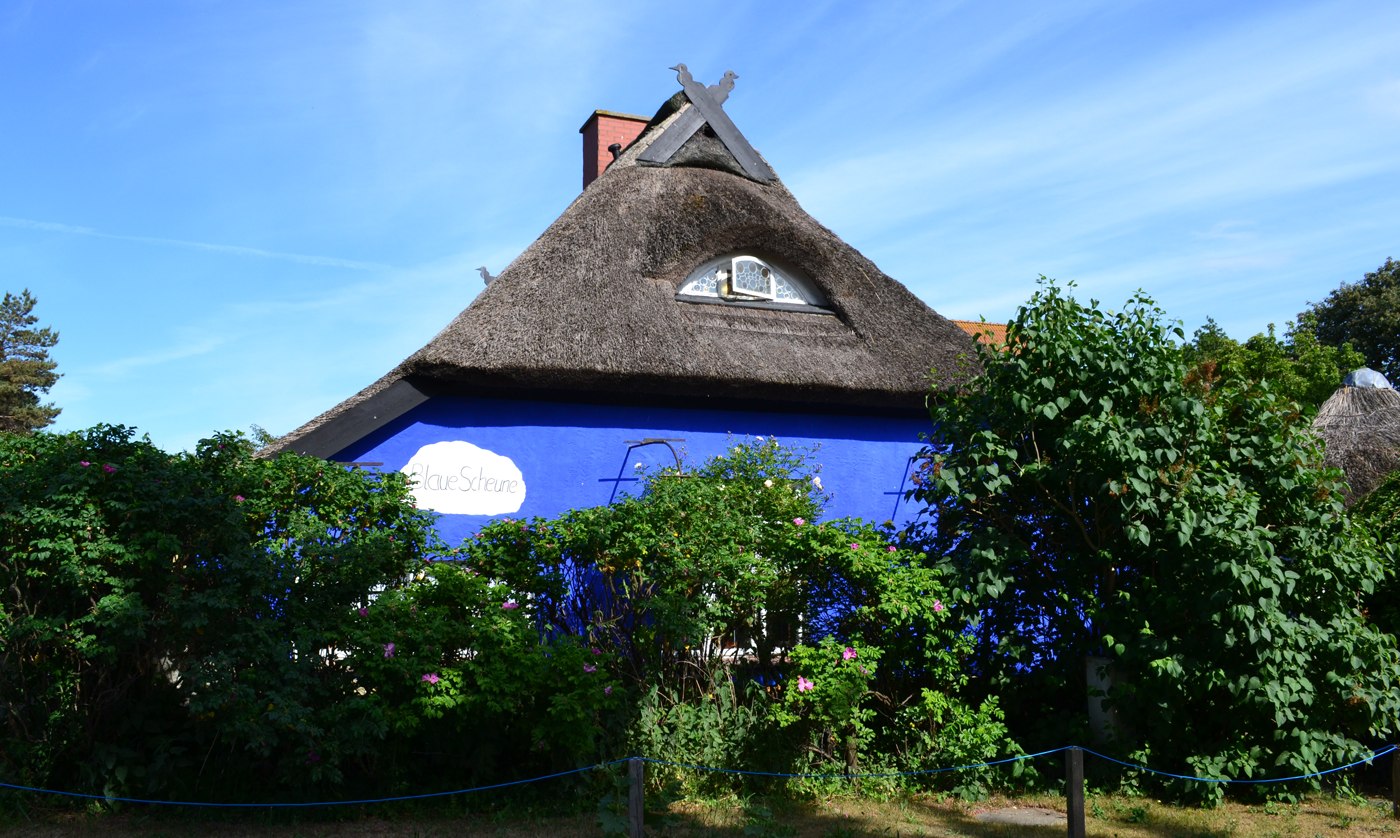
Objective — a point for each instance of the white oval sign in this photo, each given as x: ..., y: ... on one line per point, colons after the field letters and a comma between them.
x: 458, y: 478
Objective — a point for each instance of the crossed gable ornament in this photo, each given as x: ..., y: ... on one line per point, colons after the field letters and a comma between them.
x: 706, y: 110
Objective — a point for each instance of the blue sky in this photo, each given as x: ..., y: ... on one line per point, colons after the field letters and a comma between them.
x: 241, y: 213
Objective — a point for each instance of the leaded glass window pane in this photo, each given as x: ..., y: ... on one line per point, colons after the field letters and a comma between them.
x: 753, y: 277
x: 784, y: 291
x: 704, y: 285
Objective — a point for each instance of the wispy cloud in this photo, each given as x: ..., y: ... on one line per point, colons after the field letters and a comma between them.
x: 123, y: 366
x: 1231, y: 159
x: 1208, y: 166
x: 231, y: 249
x: 1229, y: 230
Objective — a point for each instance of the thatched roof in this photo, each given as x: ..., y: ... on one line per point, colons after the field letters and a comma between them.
x: 1360, y: 429
x: 591, y: 310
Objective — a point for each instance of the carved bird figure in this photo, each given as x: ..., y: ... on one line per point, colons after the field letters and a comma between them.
x: 683, y: 75
x: 486, y: 276
x: 720, y: 91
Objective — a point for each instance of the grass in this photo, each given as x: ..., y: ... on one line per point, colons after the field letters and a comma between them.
x: 754, y: 817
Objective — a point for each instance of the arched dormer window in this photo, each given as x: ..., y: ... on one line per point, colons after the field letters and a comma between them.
x: 744, y: 278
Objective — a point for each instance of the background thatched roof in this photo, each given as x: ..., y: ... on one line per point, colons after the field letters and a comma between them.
x: 1360, y: 427
x: 590, y: 308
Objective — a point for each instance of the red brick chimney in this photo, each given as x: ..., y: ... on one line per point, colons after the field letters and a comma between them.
x: 603, y: 129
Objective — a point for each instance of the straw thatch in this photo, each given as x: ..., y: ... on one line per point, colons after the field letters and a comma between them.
x: 1360, y: 429
x: 590, y: 309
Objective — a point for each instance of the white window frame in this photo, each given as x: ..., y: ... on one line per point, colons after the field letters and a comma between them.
x: 765, y: 270
x: 725, y: 291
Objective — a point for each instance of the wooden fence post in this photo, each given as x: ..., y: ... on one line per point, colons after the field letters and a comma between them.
x: 1074, y: 791
x: 636, y: 774
x: 1395, y: 783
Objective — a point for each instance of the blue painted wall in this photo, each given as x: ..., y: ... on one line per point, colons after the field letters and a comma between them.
x: 573, y: 454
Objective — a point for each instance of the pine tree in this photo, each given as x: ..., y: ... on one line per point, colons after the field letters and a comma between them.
x: 26, y: 372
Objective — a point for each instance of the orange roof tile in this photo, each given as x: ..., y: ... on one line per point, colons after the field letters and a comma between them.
x: 988, y: 334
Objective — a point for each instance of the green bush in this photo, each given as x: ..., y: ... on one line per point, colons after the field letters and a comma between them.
x: 717, y: 596
x: 176, y: 623
x: 1378, y: 514
x: 1103, y: 500
x: 471, y: 692
x: 216, y: 626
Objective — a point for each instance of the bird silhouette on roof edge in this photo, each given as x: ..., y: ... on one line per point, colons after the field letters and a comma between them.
x: 720, y: 91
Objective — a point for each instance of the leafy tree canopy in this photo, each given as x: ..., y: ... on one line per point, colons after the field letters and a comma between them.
x: 1297, y: 368
x: 1105, y: 500
x: 1366, y: 314
x: 26, y: 372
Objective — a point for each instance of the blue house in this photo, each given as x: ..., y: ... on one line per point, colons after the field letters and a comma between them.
x: 682, y: 302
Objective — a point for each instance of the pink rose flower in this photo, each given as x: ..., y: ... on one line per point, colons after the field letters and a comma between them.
x: 431, y: 678
x: 849, y: 654
x: 803, y: 685
x: 937, y: 605
x: 510, y: 605
x: 799, y: 521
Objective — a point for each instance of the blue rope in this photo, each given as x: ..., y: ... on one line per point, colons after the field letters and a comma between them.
x: 1364, y: 760
x: 736, y: 771
x: 308, y: 805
